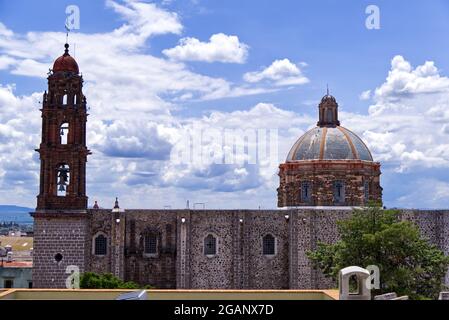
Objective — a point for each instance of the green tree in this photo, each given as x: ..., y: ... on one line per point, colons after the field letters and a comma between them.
x: 408, y: 263
x: 91, y: 280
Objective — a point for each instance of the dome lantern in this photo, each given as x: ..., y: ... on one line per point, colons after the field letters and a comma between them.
x: 328, y: 111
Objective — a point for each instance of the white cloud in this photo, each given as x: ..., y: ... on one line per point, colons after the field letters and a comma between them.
x: 132, y: 130
x: 208, y: 175
x: 403, y: 80
x: 431, y: 193
x: 406, y: 134
x: 130, y: 94
x: 19, y: 168
x: 220, y: 48
x: 406, y: 123
x: 365, y: 95
x: 146, y: 18
x: 281, y: 72
x: 118, y: 59
x: 6, y: 62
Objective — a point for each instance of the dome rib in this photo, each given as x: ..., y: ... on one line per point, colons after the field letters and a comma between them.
x: 294, y: 149
x: 323, y: 142
x: 363, y: 147
x: 351, y: 145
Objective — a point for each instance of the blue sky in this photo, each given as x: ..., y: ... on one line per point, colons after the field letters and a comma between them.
x: 402, y: 116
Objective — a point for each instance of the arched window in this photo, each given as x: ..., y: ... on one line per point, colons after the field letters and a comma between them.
x: 306, y: 191
x: 64, y: 99
x: 150, y: 244
x: 210, y: 245
x: 339, y: 192
x: 64, y: 133
x: 63, y: 180
x: 100, y: 245
x: 269, y: 245
x: 329, y: 115
x: 366, y: 190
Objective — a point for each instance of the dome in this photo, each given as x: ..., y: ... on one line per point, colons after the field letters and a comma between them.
x: 66, y: 62
x: 329, y: 143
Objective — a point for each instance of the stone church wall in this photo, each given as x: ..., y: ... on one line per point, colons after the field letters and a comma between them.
x: 266, y: 271
x: 100, y: 222
x: 216, y: 271
x: 239, y: 263
x: 159, y: 270
x: 434, y: 225
x: 313, y: 225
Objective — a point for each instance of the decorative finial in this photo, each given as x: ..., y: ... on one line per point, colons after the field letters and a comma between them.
x: 116, y: 206
x: 96, y: 205
x: 327, y: 91
x: 66, y: 51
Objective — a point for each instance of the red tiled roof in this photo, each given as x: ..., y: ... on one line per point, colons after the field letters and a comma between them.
x: 17, y: 264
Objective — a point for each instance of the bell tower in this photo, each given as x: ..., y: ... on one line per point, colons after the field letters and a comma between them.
x: 61, y: 219
x: 63, y: 151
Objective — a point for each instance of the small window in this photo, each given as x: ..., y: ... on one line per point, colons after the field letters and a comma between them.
x: 366, y: 190
x: 269, y: 244
x: 306, y: 192
x: 64, y: 133
x: 339, y: 192
x: 210, y: 245
x: 101, y: 245
x: 8, y: 283
x: 64, y: 99
x: 150, y: 244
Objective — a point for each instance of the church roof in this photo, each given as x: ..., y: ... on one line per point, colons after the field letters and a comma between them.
x: 329, y: 143
x: 328, y: 140
x: 66, y: 62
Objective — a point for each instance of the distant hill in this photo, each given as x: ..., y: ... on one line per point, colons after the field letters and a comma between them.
x: 15, y: 214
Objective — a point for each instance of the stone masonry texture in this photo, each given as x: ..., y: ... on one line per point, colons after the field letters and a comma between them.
x: 180, y: 261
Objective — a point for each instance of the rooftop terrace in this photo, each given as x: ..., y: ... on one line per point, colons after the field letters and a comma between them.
x: 110, y: 294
